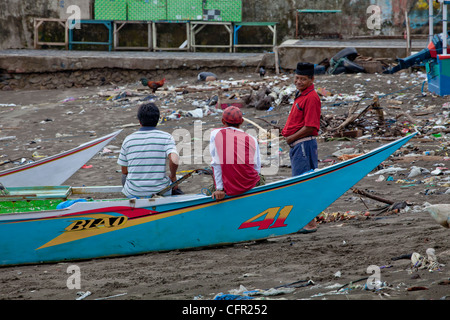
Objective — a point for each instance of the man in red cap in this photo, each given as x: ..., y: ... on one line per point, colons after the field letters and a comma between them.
x: 302, y: 126
x: 235, y: 157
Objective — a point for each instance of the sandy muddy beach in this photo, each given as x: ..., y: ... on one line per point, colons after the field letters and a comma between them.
x: 331, y: 263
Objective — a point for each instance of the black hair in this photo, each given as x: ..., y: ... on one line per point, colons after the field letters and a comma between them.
x: 148, y: 115
x: 235, y: 125
x: 310, y: 76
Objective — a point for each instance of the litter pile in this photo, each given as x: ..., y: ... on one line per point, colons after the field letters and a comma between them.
x: 349, y: 61
x: 366, y: 286
x: 360, y: 111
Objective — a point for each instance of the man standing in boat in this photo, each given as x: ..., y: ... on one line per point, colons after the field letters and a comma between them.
x: 302, y: 126
x: 236, y: 161
x: 143, y: 157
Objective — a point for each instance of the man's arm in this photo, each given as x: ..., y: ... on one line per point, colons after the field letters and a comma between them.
x: 219, y: 194
x: 302, y: 133
x: 173, y: 167
x: 124, y: 174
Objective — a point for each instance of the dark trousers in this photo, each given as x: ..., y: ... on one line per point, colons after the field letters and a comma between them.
x: 304, y: 157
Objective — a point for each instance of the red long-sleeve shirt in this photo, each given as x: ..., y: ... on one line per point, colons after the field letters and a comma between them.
x: 235, y: 160
x: 304, y: 112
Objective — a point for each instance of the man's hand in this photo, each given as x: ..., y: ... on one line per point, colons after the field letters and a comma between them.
x: 289, y: 139
x: 302, y: 133
x: 218, y: 195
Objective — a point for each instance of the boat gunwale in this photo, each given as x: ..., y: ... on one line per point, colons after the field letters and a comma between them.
x: 199, y: 199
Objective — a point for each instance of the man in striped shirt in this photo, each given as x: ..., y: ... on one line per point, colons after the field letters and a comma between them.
x: 143, y: 157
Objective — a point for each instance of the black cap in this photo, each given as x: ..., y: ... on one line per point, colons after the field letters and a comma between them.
x: 305, y: 69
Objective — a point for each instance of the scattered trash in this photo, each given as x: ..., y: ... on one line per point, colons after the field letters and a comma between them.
x: 114, y: 296
x: 244, y: 294
x: 387, y: 170
x: 262, y: 71
x: 429, y: 262
x: 365, y: 121
x: 440, y: 213
x: 225, y: 103
x: 82, y: 295
x: 415, y: 171
x: 403, y: 256
x: 197, y: 113
x: 344, y: 62
x: 416, y: 288
x: 68, y: 99
x: 222, y: 296
x: 37, y: 155
x: 7, y: 138
x: 206, y: 76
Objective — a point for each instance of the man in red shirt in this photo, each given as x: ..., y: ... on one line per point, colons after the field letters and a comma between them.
x: 235, y: 156
x: 302, y: 126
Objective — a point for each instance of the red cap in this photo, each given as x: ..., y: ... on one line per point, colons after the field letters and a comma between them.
x: 232, y: 115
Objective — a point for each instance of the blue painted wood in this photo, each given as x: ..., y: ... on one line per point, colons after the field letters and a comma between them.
x: 107, y: 23
x: 98, y: 229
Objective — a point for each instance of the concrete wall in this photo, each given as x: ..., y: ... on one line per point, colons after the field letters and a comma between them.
x: 16, y: 17
x: 350, y: 22
x: 16, y: 21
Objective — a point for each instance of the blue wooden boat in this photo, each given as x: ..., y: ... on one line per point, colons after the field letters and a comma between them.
x: 120, y: 227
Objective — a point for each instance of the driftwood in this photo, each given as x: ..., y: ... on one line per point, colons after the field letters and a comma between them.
x: 404, y: 114
x: 390, y: 207
x: 261, y: 100
x: 365, y: 194
x: 271, y: 124
x: 352, y: 117
x: 418, y: 158
x: 439, y: 131
x: 264, y: 135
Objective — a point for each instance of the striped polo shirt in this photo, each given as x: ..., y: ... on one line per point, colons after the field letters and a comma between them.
x: 144, y: 153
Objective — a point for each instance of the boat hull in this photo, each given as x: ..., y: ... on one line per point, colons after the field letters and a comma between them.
x: 98, y: 229
x: 54, y: 170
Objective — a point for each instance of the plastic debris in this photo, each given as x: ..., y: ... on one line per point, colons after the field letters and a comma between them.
x: 69, y: 99
x: 440, y: 213
x: 244, y: 294
x: 428, y: 262
x: 388, y: 170
x: 82, y: 295
x: 416, y: 171
x: 114, y: 296
x: 7, y: 138
x: 206, y: 76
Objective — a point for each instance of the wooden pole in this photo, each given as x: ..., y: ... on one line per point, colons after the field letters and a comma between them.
x: 408, y: 35
x: 277, y: 64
